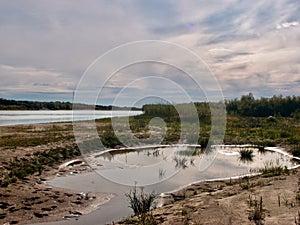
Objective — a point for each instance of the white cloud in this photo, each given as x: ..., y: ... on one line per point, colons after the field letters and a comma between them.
x: 287, y: 25
x: 29, y: 79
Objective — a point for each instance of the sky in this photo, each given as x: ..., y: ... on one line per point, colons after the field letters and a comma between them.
x: 47, y: 47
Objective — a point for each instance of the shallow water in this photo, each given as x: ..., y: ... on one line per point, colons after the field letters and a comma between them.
x: 122, y: 165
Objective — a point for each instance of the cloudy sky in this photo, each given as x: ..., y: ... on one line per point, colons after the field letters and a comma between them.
x: 46, y: 46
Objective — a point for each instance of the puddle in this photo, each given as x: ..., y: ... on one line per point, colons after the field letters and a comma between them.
x: 164, y: 168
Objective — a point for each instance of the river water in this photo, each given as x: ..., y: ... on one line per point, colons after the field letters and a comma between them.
x: 17, y: 117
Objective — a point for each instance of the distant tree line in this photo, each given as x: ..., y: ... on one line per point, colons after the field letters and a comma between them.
x: 247, y: 105
x: 170, y: 112
x: 6, y: 104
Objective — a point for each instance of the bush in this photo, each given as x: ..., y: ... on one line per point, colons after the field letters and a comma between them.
x: 109, y: 139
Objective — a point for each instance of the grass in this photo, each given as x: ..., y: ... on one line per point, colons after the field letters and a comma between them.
x: 261, y: 149
x: 139, y: 201
x: 257, y: 212
x: 181, y: 162
x: 21, y: 167
x: 270, y: 169
x: 258, y: 131
x: 141, y: 204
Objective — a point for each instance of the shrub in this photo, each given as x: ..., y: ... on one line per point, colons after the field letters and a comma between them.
x: 109, y: 139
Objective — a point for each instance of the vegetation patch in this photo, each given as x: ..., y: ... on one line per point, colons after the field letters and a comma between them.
x: 20, y: 168
x: 246, y: 155
x: 257, y: 212
x: 270, y: 169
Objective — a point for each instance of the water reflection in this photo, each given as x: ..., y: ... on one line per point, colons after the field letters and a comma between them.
x: 183, y: 157
x: 246, y: 155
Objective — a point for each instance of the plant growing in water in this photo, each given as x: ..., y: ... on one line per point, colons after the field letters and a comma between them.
x: 261, y: 149
x: 181, y: 163
x: 270, y: 169
x: 246, y: 155
x: 140, y: 202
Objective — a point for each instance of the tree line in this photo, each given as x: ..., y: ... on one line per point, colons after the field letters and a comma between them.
x: 6, y: 104
x: 247, y: 105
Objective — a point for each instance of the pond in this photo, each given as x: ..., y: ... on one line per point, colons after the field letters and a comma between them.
x: 160, y: 169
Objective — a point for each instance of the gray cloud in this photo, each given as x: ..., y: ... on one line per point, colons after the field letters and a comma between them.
x: 249, y: 46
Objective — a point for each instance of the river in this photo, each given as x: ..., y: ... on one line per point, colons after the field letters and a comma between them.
x: 17, y: 117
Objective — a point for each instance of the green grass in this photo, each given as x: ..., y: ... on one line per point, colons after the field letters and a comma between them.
x: 21, y: 167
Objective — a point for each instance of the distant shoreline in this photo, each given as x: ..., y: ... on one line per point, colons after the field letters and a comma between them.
x: 6, y: 104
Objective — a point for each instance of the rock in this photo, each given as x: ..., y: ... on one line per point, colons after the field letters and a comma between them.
x: 2, y: 215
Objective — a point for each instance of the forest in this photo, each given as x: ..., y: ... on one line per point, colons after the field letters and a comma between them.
x: 247, y: 106
x: 275, y: 106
